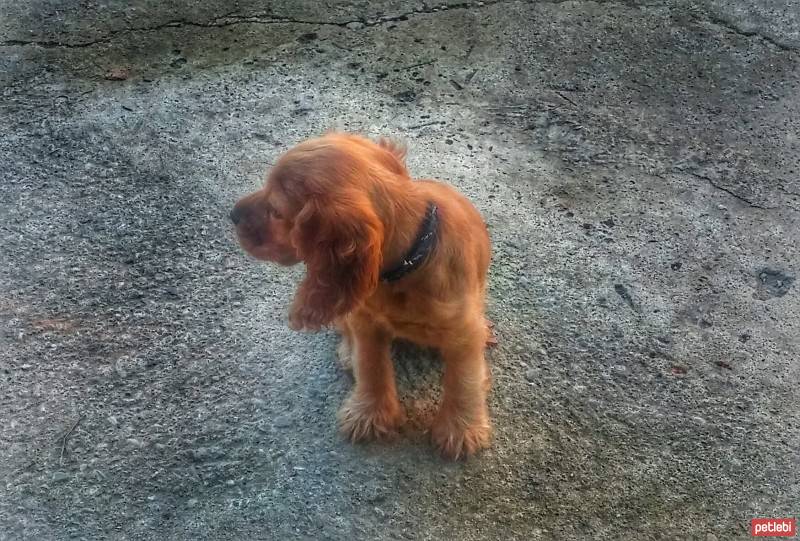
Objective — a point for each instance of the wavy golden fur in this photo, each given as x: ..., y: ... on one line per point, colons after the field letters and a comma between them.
x: 347, y: 207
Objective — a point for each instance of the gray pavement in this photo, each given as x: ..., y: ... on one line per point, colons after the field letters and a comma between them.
x: 637, y: 164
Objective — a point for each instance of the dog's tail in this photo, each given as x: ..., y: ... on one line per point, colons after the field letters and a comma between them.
x: 397, y: 150
x: 395, y: 147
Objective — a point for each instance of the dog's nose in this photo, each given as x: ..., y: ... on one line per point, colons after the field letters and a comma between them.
x: 235, y: 216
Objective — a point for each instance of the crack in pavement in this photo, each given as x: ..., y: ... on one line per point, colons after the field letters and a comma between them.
x: 730, y: 192
x: 232, y: 19
x: 731, y: 27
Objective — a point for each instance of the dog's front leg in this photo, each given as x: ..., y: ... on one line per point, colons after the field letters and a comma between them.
x: 373, y: 411
x: 462, y: 426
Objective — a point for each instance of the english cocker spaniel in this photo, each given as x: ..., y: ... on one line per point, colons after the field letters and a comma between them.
x: 386, y: 256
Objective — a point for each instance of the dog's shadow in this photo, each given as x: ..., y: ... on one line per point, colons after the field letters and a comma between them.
x: 418, y: 372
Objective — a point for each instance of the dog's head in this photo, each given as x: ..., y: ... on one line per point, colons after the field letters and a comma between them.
x: 321, y: 205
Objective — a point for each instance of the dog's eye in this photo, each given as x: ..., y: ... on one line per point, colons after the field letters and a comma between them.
x: 274, y: 213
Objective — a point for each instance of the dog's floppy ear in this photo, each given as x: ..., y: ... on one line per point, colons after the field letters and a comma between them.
x: 340, y: 242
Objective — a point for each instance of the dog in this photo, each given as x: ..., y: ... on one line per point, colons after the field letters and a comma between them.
x: 386, y: 256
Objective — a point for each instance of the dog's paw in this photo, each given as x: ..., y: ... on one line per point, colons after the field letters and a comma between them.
x: 456, y: 440
x: 366, y: 420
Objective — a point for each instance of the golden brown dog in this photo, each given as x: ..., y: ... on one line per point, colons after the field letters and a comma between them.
x: 386, y: 257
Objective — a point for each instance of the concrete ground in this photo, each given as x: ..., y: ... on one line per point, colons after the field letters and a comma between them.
x: 638, y: 167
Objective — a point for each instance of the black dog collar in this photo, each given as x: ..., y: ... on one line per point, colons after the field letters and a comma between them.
x: 420, y: 250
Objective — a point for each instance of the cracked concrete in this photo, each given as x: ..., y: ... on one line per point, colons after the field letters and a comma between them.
x: 265, y: 18
x: 637, y: 164
x: 776, y: 21
x: 734, y: 194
